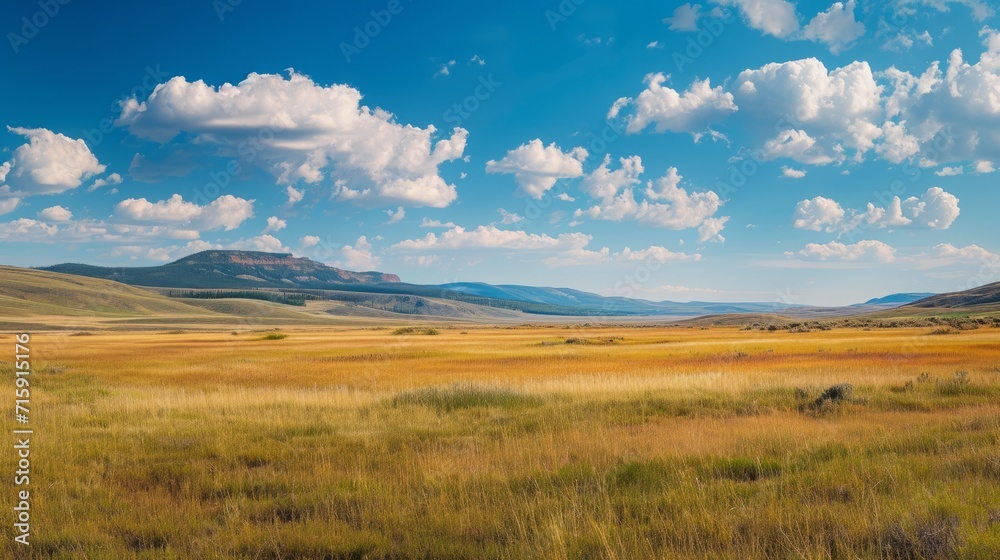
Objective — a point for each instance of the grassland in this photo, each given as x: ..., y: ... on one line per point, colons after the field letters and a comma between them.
x: 502, y: 442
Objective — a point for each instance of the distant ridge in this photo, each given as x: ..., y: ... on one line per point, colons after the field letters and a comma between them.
x: 230, y: 269
x: 899, y: 299
x: 983, y: 295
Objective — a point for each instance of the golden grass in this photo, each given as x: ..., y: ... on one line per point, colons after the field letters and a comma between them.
x: 486, y: 442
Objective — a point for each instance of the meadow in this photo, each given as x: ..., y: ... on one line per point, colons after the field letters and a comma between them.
x: 550, y: 441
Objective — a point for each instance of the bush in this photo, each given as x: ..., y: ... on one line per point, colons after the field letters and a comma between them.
x: 275, y: 336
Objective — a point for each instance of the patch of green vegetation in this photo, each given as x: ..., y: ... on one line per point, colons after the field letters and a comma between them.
x: 275, y: 336
x: 416, y: 330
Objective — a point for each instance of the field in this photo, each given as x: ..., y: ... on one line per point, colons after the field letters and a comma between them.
x: 513, y: 442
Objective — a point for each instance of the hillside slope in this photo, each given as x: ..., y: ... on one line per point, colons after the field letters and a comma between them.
x: 983, y: 295
x: 230, y: 269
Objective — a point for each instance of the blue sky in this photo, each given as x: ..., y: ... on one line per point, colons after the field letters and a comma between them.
x: 730, y: 150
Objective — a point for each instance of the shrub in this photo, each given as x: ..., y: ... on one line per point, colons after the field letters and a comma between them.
x: 275, y: 336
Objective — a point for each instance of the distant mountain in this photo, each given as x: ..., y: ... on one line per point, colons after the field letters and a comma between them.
x: 567, y: 297
x: 231, y: 269
x: 898, y: 299
x: 982, y: 295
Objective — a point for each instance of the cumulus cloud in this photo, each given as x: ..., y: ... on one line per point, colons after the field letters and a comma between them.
x: 685, y: 18
x: 866, y: 250
x: 358, y: 256
x: 264, y: 242
x: 294, y: 195
x: 227, y: 212
x: 49, y: 163
x: 566, y: 249
x: 536, y: 167
x: 275, y: 223
x: 818, y: 214
x: 112, y: 179
x: 935, y: 209
x: 772, y: 17
x: 836, y: 27
x: 693, y: 111
x: 948, y: 116
x: 56, y: 214
x: 790, y: 173
x: 967, y: 253
x: 711, y: 230
x: 308, y: 241
x: 667, y: 204
x: 604, y: 184
x: 821, y: 112
x: 8, y: 205
x: 397, y: 216
x: 429, y: 223
x: 983, y: 166
x: 304, y: 131
x: 949, y: 171
x: 507, y: 218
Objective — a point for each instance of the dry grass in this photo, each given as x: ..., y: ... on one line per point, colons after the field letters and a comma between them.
x: 511, y: 443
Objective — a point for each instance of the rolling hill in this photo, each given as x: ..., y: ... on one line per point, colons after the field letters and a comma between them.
x: 983, y: 295
x: 230, y: 269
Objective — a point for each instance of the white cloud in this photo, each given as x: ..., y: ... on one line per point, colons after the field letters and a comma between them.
x: 56, y: 214
x: 507, y: 218
x: 49, y: 163
x: 946, y: 116
x: 980, y: 9
x: 264, y: 242
x: 653, y: 45
x: 819, y: 113
x: 772, y: 17
x: 835, y: 27
x: 294, y: 195
x: 692, y: 111
x: 312, y: 132
x: 949, y: 171
x: 984, y: 166
x: 790, y: 173
x: 8, y: 205
x: 227, y: 212
x: 309, y: 241
x: 113, y: 179
x: 26, y: 229
x: 935, y: 209
x: 478, y: 60
x: 604, y: 184
x: 711, y: 230
x: 819, y: 214
x: 537, y: 167
x: 685, y: 18
x: 445, y: 69
x: 673, y: 207
x: 397, y: 216
x: 967, y: 253
x: 491, y: 237
x: 565, y: 197
x: 275, y: 223
x: 866, y: 250
x: 429, y: 223
x: 359, y: 256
